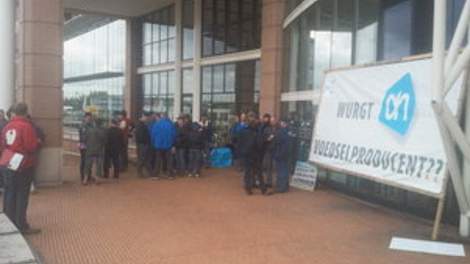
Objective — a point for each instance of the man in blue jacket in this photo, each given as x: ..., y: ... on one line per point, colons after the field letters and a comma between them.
x: 163, y: 135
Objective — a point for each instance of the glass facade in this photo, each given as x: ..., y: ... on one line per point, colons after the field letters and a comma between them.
x: 158, y: 92
x: 230, y: 26
x: 98, y: 51
x: 188, y: 29
x: 93, y: 73
x: 337, y: 33
x: 227, y: 90
x: 159, y: 37
x: 188, y: 91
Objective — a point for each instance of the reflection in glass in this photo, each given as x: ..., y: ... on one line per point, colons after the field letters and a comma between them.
x: 158, y: 92
x: 230, y: 26
x: 187, y: 99
x: 366, y: 34
x: 159, y: 36
x: 229, y: 89
x: 188, y: 29
x: 396, y: 28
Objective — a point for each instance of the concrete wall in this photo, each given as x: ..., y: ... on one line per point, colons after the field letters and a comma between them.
x: 271, y: 56
x: 39, y: 77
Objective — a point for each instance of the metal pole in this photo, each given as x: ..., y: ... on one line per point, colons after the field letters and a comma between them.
x: 438, y: 52
x: 7, y: 53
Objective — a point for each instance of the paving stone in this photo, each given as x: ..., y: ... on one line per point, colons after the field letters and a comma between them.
x: 14, y: 249
x: 6, y: 226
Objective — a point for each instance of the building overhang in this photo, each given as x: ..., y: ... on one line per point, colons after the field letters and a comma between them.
x: 118, y: 8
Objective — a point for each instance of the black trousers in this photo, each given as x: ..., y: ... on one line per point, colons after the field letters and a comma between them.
x: 82, y: 163
x: 16, y: 196
x: 143, y: 158
x: 111, y: 159
x: 125, y: 155
x: 252, y: 173
x: 164, y: 159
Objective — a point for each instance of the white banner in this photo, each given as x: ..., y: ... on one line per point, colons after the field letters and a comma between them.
x: 377, y: 122
x: 305, y: 176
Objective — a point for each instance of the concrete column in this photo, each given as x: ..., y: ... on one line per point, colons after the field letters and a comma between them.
x: 132, y: 88
x: 271, y: 56
x: 7, y: 53
x: 178, y: 57
x: 197, y: 59
x: 39, y: 77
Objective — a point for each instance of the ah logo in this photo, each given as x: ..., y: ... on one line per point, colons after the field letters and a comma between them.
x: 398, y: 105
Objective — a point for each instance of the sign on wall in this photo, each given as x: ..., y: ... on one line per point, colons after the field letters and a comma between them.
x: 377, y: 122
x: 305, y: 176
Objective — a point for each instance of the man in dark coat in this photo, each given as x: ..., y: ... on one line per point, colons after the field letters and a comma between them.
x: 281, y: 157
x: 142, y: 140
x: 113, y: 149
x: 181, y: 145
x: 85, y: 127
x: 250, y: 153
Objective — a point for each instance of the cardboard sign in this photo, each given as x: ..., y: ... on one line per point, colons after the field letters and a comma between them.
x: 305, y: 176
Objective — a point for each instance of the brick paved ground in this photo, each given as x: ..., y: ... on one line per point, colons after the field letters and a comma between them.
x: 210, y: 220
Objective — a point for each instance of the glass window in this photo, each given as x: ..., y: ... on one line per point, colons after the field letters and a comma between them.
x: 188, y: 29
x: 229, y: 89
x: 187, y: 99
x: 343, y: 34
x: 93, y: 72
x: 162, y: 37
x: 366, y: 32
x: 396, y: 28
x: 230, y: 26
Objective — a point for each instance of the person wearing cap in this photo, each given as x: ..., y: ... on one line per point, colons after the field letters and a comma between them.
x: 281, y: 157
x: 85, y: 127
x: 113, y: 146
x: 18, y: 139
x: 142, y: 140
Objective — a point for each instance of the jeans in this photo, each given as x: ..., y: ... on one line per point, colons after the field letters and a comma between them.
x: 282, y: 171
x: 16, y: 197
x: 252, y: 172
x: 163, y: 156
x: 111, y: 159
x: 195, y: 161
x: 143, y: 158
x: 181, y: 164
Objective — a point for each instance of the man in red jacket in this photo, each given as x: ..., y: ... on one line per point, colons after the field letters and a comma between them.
x: 18, y: 136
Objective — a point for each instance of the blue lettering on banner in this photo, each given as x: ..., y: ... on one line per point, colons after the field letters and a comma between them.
x: 398, y: 105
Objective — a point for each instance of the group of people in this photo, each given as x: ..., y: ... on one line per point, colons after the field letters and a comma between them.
x: 103, y: 147
x: 168, y: 149
x: 20, y: 142
x: 259, y: 145
x: 164, y: 148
